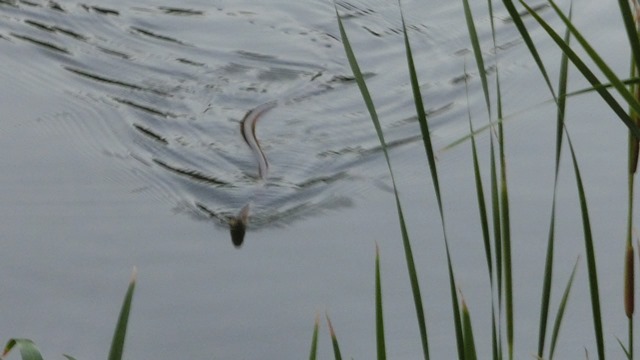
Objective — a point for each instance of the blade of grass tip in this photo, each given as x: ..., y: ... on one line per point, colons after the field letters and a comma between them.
x: 517, y: 21
x: 424, y: 128
x: 561, y: 308
x: 587, y: 73
x: 630, y: 26
x: 417, y: 298
x: 590, y: 254
x: 28, y: 350
x: 314, y: 339
x: 69, y: 357
x: 119, y: 335
x: 334, y: 341
x: 469, y: 343
x: 548, y: 271
x: 382, y: 353
x: 475, y: 43
x: 484, y: 222
x: 426, y: 136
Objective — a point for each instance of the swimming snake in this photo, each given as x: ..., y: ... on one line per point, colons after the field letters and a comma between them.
x: 238, y: 224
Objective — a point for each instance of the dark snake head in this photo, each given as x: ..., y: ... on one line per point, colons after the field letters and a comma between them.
x: 238, y: 226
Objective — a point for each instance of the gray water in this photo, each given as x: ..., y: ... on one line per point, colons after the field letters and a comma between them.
x: 119, y: 120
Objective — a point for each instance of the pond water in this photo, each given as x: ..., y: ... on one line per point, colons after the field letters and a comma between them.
x: 121, y: 138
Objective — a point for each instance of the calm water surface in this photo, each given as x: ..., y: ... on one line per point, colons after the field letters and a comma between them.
x: 121, y: 124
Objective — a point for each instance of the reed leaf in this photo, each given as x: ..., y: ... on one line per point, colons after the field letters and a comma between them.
x: 334, y: 341
x: 314, y: 339
x: 117, y: 343
x: 469, y: 343
x: 426, y: 137
x: 590, y: 254
x: 475, y: 44
x: 628, y: 18
x: 413, y: 276
x: 28, y: 350
x: 560, y: 314
x: 548, y: 269
x: 484, y: 222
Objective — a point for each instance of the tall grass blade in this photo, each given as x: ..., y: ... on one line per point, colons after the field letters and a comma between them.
x: 28, y: 350
x: 413, y: 276
x: 484, y: 222
x: 630, y: 26
x: 426, y: 137
x: 314, y: 339
x: 497, y: 237
x: 382, y: 352
x: 469, y: 343
x: 548, y: 270
x: 475, y: 43
x: 587, y: 73
x: 560, y: 314
x: 591, y: 256
x: 334, y: 341
x: 506, y: 242
x: 117, y: 343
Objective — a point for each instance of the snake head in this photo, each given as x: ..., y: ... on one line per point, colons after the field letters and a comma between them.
x: 238, y: 226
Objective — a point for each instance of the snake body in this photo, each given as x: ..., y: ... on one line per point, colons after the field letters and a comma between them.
x: 238, y: 224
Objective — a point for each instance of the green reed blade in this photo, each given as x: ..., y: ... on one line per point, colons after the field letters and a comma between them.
x: 469, y: 343
x: 426, y: 137
x: 560, y: 314
x: 117, y: 343
x: 587, y: 73
x: 382, y: 353
x: 591, y: 256
x: 630, y: 26
x: 548, y: 269
x: 517, y: 21
x: 69, y: 357
x: 413, y: 276
x: 334, y: 341
x: 506, y: 243
x: 28, y: 350
x: 484, y: 222
x: 314, y: 339
x: 475, y: 43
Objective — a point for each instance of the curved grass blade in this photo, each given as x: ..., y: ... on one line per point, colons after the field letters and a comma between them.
x: 469, y: 343
x: 630, y: 26
x: 475, y: 43
x: 587, y: 73
x: 560, y: 314
x: 334, y: 341
x: 591, y: 256
x: 314, y: 339
x: 426, y: 137
x: 548, y: 270
x: 355, y: 68
x: 28, y: 350
x: 382, y: 352
x: 117, y: 344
